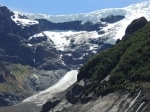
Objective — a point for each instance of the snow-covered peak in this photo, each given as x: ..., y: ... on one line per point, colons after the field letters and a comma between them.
x: 94, y: 16
x: 22, y: 20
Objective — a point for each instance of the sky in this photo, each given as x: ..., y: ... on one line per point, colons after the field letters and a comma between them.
x: 60, y: 7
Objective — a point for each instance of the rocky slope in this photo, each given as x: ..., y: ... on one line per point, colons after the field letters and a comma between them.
x: 112, y: 83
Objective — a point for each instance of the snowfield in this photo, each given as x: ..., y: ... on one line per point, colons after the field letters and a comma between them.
x: 63, y: 84
x: 113, y: 31
x: 63, y: 39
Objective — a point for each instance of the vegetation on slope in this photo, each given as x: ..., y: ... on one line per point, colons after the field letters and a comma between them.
x: 11, y: 77
x: 121, y: 67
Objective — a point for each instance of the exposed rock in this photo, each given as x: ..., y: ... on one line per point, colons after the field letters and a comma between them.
x: 135, y: 25
x: 8, y: 99
x: 6, y: 22
x: 104, y: 47
x: 35, y: 40
x: 112, y: 18
x: 49, y: 105
x: 73, y: 25
x: 74, y: 94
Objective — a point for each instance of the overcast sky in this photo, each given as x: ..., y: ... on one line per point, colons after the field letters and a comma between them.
x: 55, y: 7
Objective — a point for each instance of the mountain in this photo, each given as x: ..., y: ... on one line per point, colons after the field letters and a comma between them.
x: 42, y: 55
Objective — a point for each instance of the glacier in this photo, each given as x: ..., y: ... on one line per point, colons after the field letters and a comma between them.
x: 113, y: 31
x: 95, y: 15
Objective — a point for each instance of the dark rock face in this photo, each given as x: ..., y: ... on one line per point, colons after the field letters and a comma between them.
x: 28, y: 31
x: 49, y: 105
x: 74, y: 94
x: 112, y: 18
x: 8, y: 99
x: 25, y: 55
x: 104, y: 46
x: 135, y: 25
x: 14, y: 50
x: 46, y: 57
x: 6, y: 23
x: 73, y: 25
x: 35, y: 40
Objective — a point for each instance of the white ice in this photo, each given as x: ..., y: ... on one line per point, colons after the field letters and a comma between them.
x: 95, y: 15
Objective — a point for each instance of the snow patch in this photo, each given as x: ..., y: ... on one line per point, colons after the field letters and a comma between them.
x: 36, y: 77
x: 30, y: 45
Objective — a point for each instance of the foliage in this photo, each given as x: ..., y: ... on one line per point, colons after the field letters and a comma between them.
x: 20, y: 71
x: 11, y: 77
